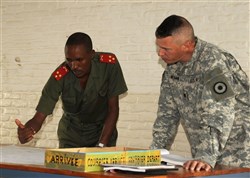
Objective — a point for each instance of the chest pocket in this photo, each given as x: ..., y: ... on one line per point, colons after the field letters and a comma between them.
x: 187, y: 88
x: 102, y: 99
x: 69, y: 104
x: 103, y: 90
x: 96, y: 100
x: 70, y: 96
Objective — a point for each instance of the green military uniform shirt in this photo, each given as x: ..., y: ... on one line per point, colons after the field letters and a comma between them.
x: 84, y: 109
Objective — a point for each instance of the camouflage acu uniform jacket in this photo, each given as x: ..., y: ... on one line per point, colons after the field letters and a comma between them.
x: 209, y: 96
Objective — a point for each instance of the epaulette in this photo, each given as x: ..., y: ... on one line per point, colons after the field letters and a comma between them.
x: 108, y: 58
x: 60, y: 72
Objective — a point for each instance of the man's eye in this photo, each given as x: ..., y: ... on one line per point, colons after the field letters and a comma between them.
x: 165, y: 49
x: 72, y: 60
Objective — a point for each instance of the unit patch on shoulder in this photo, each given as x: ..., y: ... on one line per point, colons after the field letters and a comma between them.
x: 108, y: 58
x: 60, y: 72
x: 218, y: 85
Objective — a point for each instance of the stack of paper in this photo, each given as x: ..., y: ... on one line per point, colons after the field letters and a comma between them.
x: 173, y: 159
x: 169, y: 162
x: 137, y: 168
x: 21, y: 154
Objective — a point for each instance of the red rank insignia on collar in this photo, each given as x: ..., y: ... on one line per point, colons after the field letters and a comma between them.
x: 108, y: 58
x: 60, y: 72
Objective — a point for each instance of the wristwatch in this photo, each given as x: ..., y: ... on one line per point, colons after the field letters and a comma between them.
x: 100, y: 145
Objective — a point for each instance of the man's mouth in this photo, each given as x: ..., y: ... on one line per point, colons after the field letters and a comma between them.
x: 77, y: 72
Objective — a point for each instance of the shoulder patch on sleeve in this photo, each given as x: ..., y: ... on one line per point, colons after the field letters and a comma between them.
x: 60, y: 72
x: 218, y: 85
x: 108, y: 58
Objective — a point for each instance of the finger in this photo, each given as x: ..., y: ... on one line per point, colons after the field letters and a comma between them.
x: 30, y: 138
x: 187, y: 164
x: 21, y: 139
x: 25, y: 139
x: 19, y: 124
x: 207, y: 167
x: 112, y: 171
x: 199, y: 166
x: 193, y: 165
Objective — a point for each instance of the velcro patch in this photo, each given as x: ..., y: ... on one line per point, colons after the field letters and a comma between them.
x: 218, y: 85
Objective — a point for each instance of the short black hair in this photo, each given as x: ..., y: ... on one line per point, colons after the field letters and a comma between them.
x: 80, y: 38
x: 171, y: 25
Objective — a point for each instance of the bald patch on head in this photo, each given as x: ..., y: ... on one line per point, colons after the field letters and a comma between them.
x: 184, y: 34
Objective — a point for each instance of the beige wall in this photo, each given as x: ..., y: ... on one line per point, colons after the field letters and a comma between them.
x: 34, y: 34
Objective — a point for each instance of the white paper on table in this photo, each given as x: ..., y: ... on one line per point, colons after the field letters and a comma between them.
x: 21, y: 155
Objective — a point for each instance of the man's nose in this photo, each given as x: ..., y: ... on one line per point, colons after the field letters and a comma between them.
x: 74, y: 65
x: 160, y: 52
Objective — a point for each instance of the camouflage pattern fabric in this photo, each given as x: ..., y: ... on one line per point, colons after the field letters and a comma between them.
x: 209, y: 96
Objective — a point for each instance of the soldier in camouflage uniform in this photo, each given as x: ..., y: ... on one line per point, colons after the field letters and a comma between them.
x: 203, y: 88
x: 89, y: 84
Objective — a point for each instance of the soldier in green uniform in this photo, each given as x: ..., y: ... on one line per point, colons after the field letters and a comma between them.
x: 204, y: 89
x: 89, y: 84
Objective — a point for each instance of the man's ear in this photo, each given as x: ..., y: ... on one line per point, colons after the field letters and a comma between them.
x: 188, y: 46
x: 185, y: 46
x: 92, y: 53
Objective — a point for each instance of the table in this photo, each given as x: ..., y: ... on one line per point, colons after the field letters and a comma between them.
x: 18, y: 170
x: 23, y: 162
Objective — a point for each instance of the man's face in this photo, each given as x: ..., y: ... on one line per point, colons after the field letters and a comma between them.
x: 169, y: 50
x: 79, y: 59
